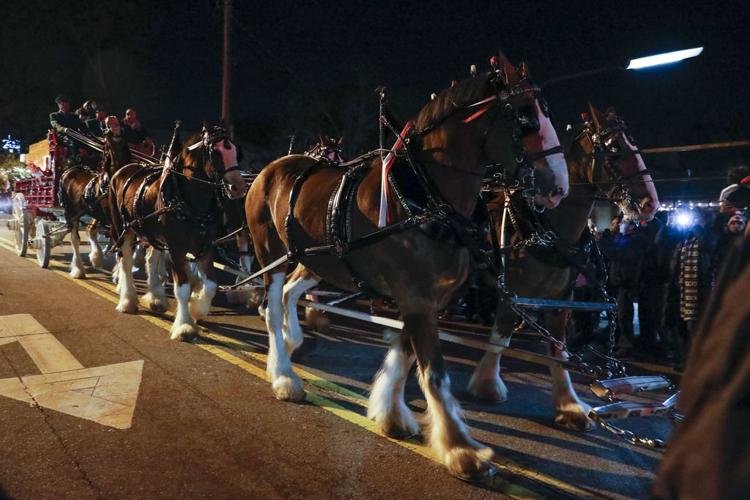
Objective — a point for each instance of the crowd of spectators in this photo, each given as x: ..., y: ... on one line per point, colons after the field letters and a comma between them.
x: 668, y: 267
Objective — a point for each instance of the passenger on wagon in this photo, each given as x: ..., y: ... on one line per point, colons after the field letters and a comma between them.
x: 97, y: 125
x: 136, y: 134
x: 62, y: 120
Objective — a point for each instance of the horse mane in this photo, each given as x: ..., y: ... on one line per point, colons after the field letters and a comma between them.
x: 464, y: 93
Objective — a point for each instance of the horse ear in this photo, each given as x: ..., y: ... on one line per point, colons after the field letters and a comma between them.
x: 523, y: 70
x: 341, y: 140
x: 509, y: 71
x: 596, y: 117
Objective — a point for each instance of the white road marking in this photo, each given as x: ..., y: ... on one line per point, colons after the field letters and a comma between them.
x: 104, y: 394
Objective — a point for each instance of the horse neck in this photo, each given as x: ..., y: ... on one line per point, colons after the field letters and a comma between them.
x: 116, y: 156
x: 570, y: 217
x: 453, y: 168
x: 199, y: 194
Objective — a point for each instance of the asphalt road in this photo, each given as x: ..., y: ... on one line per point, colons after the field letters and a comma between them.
x: 205, y: 422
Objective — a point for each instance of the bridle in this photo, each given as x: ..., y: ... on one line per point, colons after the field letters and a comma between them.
x: 209, y: 137
x: 501, y: 103
x: 607, y: 151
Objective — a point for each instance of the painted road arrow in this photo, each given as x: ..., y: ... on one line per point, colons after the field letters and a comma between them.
x: 104, y: 394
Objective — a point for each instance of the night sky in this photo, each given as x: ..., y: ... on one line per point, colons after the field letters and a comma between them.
x: 295, y: 62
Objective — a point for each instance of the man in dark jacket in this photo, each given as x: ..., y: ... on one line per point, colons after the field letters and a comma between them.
x: 62, y: 119
x: 630, y: 248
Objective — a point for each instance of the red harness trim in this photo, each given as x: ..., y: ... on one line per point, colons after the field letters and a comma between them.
x: 482, y: 111
x: 477, y: 114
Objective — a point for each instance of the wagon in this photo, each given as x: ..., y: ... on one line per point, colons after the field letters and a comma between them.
x: 37, y: 222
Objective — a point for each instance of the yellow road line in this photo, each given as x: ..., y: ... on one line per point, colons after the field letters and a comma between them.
x: 107, y: 291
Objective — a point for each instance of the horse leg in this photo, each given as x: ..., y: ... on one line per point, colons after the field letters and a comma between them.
x: 96, y: 256
x: 387, y: 406
x: 485, y: 382
x: 183, y: 327
x: 128, y: 295
x: 287, y: 386
x: 449, y: 436
x: 76, y: 264
x: 570, y: 412
x: 243, y: 245
x: 298, y: 283
x: 200, y: 300
x: 139, y: 257
x: 156, y: 298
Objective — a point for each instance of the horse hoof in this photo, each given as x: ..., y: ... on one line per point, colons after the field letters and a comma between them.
x: 155, y: 303
x: 288, y: 388
x: 489, y: 389
x: 317, y: 320
x: 77, y: 273
x: 574, y: 421
x: 96, y: 259
x: 397, y: 426
x: 292, y: 345
x: 127, y: 306
x: 470, y: 464
x: 199, y: 306
x: 184, y: 333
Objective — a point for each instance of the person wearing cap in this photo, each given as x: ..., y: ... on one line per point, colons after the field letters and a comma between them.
x: 62, y: 119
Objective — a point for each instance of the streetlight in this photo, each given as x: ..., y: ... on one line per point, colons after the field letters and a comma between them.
x: 635, y: 64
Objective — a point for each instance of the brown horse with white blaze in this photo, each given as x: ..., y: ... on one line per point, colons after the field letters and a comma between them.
x: 602, y: 160
x: 484, y: 121
x: 177, y: 207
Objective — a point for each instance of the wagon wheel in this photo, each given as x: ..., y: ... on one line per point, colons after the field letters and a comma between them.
x: 42, y: 243
x: 22, y: 224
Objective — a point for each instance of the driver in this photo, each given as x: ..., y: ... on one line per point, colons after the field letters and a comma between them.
x: 62, y: 120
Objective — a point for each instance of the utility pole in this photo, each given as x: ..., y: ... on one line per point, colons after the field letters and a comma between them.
x: 226, y: 74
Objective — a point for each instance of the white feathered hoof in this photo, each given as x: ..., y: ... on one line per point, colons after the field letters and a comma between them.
x: 199, y: 306
x: 488, y: 389
x: 288, y: 388
x: 184, y: 333
x: 128, y: 306
x: 96, y: 259
x: 291, y: 345
x: 399, y: 424
x: 77, y: 273
x: 317, y: 320
x: 155, y: 303
x: 574, y: 417
x: 470, y: 464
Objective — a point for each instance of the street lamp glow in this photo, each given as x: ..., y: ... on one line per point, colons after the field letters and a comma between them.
x: 666, y: 58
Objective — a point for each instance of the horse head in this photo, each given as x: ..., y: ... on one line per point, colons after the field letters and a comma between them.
x: 506, y: 131
x: 116, y: 153
x: 216, y: 155
x: 617, y: 166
